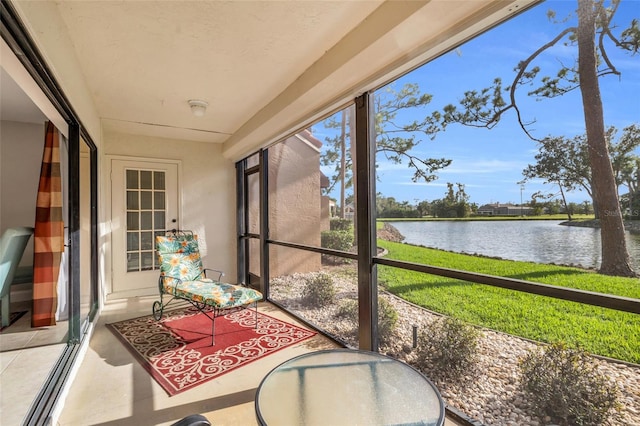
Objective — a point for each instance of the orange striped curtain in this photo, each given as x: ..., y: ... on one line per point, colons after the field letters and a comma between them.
x: 48, y: 234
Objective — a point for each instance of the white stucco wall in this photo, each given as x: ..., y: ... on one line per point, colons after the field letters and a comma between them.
x: 20, y: 159
x: 49, y: 32
x: 207, y: 185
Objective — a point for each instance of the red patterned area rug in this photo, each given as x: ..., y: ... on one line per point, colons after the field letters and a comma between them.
x: 177, y: 350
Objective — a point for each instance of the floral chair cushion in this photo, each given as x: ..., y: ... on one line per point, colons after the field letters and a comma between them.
x: 186, y: 267
x: 187, y: 243
x: 182, y: 275
x: 217, y: 295
x: 179, y: 257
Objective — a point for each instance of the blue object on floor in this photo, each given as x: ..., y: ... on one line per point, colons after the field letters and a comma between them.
x: 12, y: 245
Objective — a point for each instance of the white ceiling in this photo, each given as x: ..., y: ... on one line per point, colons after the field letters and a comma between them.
x: 262, y: 66
x: 144, y: 60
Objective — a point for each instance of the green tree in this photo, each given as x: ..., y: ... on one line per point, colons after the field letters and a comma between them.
x: 454, y: 204
x: 389, y: 207
x: 573, y: 208
x: 592, y: 36
x: 586, y: 208
x: 337, y: 154
x: 424, y: 208
x: 565, y: 161
x: 395, y: 138
x: 626, y: 164
x: 536, y: 206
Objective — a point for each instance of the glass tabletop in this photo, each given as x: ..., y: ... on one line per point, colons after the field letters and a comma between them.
x: 347, y: 387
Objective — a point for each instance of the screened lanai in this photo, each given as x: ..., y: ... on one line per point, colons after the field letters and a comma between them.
x: 248, y: 174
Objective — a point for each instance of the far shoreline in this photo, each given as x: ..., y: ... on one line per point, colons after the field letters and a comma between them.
x: 562, y: 217
x: 633, y: 226
x: 583, y: 221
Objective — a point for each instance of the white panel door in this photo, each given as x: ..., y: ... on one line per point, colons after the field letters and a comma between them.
x: 144, y: 203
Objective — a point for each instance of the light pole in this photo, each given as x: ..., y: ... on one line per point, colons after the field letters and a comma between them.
x: 521, y: 205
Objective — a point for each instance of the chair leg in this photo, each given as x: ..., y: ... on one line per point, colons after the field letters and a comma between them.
x: 6, y: 310
x: 256, y: 305
x: 213, y: 329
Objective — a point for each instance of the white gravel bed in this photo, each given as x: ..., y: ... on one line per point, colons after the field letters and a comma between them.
x: 492, y: 395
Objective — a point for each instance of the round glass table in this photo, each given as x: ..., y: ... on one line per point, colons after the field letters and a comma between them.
x: 347, y: 387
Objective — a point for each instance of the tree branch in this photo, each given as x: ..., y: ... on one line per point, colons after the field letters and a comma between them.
x: 522, y: 68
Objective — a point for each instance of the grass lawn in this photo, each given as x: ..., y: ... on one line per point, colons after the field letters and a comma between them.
x: 597, y: 330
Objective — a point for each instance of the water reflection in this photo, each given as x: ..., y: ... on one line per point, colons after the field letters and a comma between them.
x: 540, y: 241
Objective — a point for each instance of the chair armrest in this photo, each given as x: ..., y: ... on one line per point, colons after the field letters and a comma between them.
x: 213, y: 271
x: 177, y: 281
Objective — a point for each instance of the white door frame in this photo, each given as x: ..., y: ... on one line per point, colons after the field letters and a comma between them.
x: 115, y: 222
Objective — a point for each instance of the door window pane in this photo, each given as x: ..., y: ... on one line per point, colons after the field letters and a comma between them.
x: 254, y: 160
x: 132, y: 179
x: 145, y: 200
x: 147, y: 261
x: 132, y: 221
x: 146, y: 220
x: 146, y: 240
x: 158, y: 220
x: 158, y: 200
x: 145, y: 179
x: 132, y: 200
x: 146, y: 211
x: 133, y: 242
x: 253, y: 207
x: 133, y: 262
x: 158, y: 180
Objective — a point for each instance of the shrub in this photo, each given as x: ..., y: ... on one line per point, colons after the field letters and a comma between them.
x: 340, y: 225
x: 318, y: 290
x: 387, y: 320
x: 348, y: 308
x: 563, y: 384
x: 448, y: 350
x: 387, y: 316
x: 336, y: 240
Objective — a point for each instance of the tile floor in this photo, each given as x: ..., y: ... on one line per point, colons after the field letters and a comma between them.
x: 111, y: 387
x: 27, y: 355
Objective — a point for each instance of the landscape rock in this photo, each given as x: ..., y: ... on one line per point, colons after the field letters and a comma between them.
x: 493, y: 396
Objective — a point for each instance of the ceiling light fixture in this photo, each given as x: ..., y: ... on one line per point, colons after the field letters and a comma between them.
x: 198, y: 107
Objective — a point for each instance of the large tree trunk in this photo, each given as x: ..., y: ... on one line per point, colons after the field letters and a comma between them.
x: 343, y: 162
x: 615, y: 257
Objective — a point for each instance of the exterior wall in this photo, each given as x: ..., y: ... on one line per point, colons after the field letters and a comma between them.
x: 325, y: 216
x: 207, y: 182
x: 294, y: 205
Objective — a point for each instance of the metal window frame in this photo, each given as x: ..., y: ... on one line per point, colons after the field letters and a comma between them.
x: 367, y: 259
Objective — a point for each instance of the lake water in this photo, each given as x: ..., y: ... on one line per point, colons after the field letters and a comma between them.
x: 540, y: 241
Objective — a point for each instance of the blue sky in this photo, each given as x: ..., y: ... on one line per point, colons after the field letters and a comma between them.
x: 490, y: 162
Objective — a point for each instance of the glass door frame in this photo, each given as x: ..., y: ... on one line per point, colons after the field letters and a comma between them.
x: 13, y: 31
x: 243, y: 173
